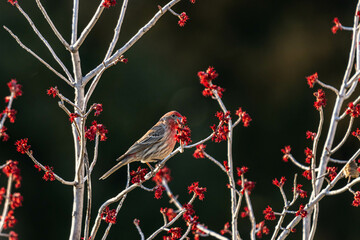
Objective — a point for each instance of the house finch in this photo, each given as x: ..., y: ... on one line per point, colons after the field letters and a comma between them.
x: 154, y: 146
x: 351, y: 171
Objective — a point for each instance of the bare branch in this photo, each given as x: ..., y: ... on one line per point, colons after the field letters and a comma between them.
x: 215, y: 161
x: 343, y: 189
x: 67, y: 111
x: 89, y: 199
x: 95, y: 82
x: 46, y: 16
x: 184, y: 236
x: 200, y: 142
x: 57, y: 177
x: 132, y: 41
x: 7, y: 202
x: 75, y: 19
x: 344, y: 138
x: 119, y: 205
x: 179, y: 206
x: 338, y: 161
x: 88, y: 28
x: 315, y: 145
x: 96, y: 150
x: 117, y: 30
x: 63, y: 98
x: 3, y: 119
x: 297, y: 163
x: 328, y: 86
x: 139, y: 229
x: 355, y: 77
x: 37, y: 57
x: 251, y: 211
x: 180, y: 213
x: 57, y: 59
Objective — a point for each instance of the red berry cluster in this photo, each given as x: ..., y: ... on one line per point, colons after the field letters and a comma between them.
x: 94, y: 129
x: 183, y: 132
x: 320, y: 99
x: 199, y: 152
x: 109, y: 215
x: 138, y: 175
x: 199, y: 191
x: 108, y: 3
x: 175, y: 233
x: 206, y: 79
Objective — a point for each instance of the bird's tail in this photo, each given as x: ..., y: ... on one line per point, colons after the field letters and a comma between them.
x: 116, y: 167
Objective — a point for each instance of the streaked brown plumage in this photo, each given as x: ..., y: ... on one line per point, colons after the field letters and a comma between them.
x: 351, y: 171
x: 154, y: 146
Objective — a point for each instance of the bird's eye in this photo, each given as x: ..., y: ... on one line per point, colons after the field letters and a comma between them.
x: 173, y: 116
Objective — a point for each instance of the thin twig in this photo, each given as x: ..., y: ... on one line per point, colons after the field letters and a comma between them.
x: 3, y: 119
x: 343, y: 189
x: 37, y: 57
x: 7, y: 202
x: 117, y: 30
x: 75, y: 19
x: 179, y: 207
x: 89, y: 198
x: 297, y: 163
x: 314, y: 221
x: 57, y: 177
x: 215, y: 161
x: 236, y: 122
x: 184, y: 236
x: 355, y: 77
x: 338, y: 161
x: 285, y: 208
x: 48, y: 19
x: 328, y: 86
x: 96, y: 150
x: 154, y: 234
x: 62, y: 97
x: 126, y: 191
x: 95, y: 82
x: 314, y: 150
x: 57, y: 59
x: 132, y: 41
x: 89, y: 27
x: 351, y: 90
x: 139, y: 229
x: 344, y: 138
x: 251, y: 211
x: 67, y: 111
x: 315, y: 200
x: 119, y: 205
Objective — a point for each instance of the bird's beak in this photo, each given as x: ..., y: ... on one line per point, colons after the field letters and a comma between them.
x: 179, y: 118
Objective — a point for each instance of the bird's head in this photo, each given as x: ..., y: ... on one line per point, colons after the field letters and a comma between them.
x: 172, y: 118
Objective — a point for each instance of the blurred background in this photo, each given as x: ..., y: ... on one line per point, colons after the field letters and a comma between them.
x: 262, y: 51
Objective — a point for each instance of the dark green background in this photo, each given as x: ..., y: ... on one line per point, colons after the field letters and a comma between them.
x: 262, y: 51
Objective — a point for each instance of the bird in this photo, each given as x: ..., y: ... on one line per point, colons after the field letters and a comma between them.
x: 154, y: 146
x: 351, y: 171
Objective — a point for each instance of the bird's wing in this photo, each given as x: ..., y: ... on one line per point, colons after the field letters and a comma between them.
x: 155, y: 134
